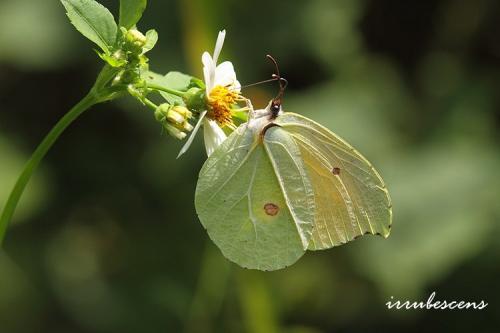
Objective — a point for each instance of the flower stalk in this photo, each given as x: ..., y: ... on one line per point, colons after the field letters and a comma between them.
x: 98, y: 94
x: 158, y: 87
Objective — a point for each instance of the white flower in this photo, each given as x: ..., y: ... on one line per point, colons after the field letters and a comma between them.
x: 220, y: 81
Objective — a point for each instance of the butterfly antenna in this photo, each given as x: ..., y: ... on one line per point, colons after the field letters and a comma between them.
x: 282, y: 81
x: 260, y: 82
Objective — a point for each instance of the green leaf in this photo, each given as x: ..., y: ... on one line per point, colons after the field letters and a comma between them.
x: 92, y: 20
x: 111, y: 60
x: 151, y: 39
x: 173, y: 80
x: 176, y: 81
x: 131, y: 12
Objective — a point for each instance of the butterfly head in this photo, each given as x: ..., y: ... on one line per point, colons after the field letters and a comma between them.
x: 275, y: 104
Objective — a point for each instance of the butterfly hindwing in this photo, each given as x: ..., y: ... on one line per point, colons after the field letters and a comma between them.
x: 255, y: 199
x: 350, y: 196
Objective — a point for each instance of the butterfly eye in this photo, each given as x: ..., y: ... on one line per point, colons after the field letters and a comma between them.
x: 275, y: 108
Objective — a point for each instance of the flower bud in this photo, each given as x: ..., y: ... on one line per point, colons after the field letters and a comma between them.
x: 175, y: 117
x: 120, y: 57
x: 136, y: 38
x: 161, y: 112
x: 175, y: 132
x: 183, y: 111
x: 188, y: 127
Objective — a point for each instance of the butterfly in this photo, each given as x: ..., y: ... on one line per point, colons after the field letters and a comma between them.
x: 282, y: 184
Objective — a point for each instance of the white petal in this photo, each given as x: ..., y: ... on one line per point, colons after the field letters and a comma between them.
x: 226, y: 76
x: 214, y: 135
x: 208, y: 71
x: 193, y: 134
x: 218, y: 45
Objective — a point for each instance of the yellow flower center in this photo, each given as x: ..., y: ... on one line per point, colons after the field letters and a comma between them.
x: 220, y: 101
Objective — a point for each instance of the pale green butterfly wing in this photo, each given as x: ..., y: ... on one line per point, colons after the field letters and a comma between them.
x: 350, y: 196
x: 255, y: 199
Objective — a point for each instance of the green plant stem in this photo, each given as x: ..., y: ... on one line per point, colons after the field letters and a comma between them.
x: 101, y: 91
x: 42, y: 149
x: 161, y: 88
x: 150, y: 104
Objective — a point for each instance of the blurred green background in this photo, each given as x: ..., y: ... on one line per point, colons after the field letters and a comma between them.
x: 106, y: 238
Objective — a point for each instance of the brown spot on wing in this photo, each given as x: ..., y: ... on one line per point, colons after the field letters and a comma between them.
x: 336, y: 171
x: 271, y: 209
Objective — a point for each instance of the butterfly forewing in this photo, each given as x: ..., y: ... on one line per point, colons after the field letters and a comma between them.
x: 350, y: 196
x: 256, y: 215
